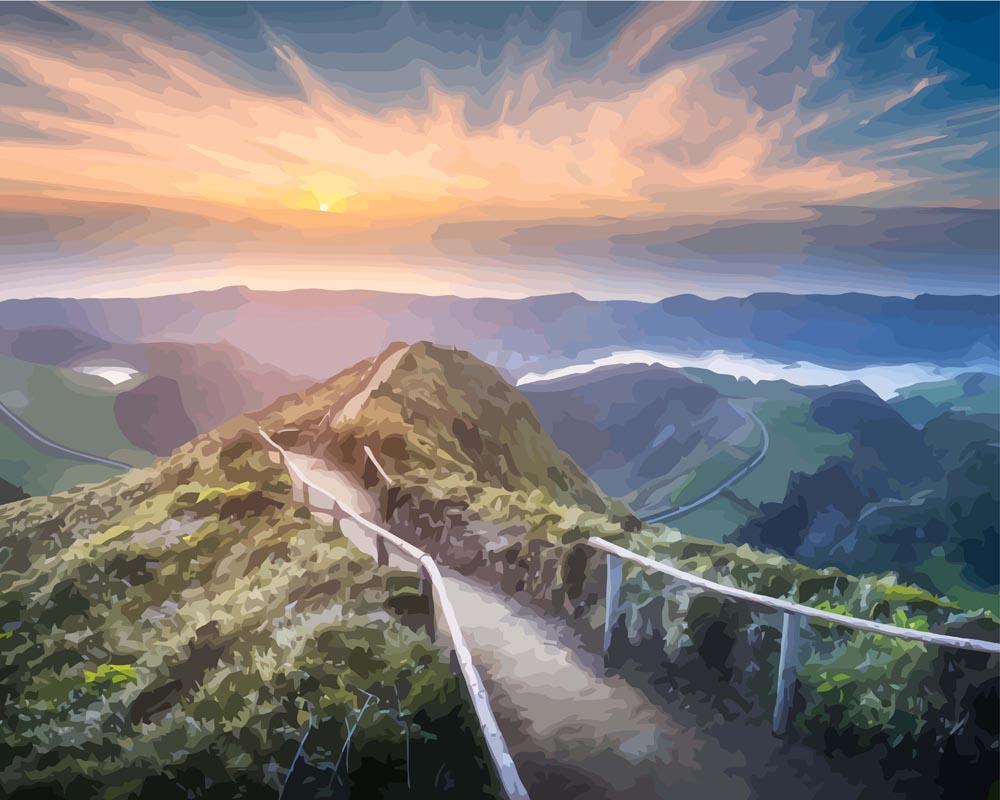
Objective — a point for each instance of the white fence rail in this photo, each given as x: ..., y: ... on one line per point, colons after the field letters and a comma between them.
x: 795, y: 614
x: 433, y: 586
x: 430, y: 574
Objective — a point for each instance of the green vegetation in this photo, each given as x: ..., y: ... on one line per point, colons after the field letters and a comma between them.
x: 188, y: 624
x: 797, y: 444
x: 39, y: 473
x: 847, y: 482
x: 477, y: 483
x: 866, y: 689
x: 971, y: 393
x: 178, y: 631
x: 698, y: 473
x: 451, y: 426
x: 71, y: 408
x: 112, y: 673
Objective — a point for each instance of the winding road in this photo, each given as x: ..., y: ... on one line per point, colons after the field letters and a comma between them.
x: 662, y: 516
x: 29, y: 433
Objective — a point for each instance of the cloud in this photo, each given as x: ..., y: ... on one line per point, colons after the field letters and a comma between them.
x: 144, y: 118
x: 162, y: 134
x: 904, y: 250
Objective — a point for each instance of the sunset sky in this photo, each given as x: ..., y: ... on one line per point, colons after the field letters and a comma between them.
x: 615, y: 150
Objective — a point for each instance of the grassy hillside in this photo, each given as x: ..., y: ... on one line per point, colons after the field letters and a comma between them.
x: 185, y: 625
x: 922, y: 502
x: 478, y: 483
x: 971, y: 393
x: 39, y: 472
x: 797, y: 444
x: 175, y: 632
x: 175, y: 392
x: 449, y: 426
x: 648, y: 434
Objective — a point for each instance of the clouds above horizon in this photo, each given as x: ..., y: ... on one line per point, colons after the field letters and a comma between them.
x: 183, y: 136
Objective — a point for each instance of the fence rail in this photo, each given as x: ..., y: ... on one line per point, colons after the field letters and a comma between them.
x: 496, y: 745
x: 794, y: 615
x: 433, y: 584
x: 780, y: 604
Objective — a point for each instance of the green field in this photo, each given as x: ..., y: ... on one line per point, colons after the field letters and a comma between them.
x: 717, y: 469
x: 798, y: 444
x: 40, y: 473
x: 71, y: 409
x: 972, y: 393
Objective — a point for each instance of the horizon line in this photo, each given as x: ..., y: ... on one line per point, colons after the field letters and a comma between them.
x: 577, y: 294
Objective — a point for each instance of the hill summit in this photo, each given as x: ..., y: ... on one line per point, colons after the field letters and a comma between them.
x: 440, y: 419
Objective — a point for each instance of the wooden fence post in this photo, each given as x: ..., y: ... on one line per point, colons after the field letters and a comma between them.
x: 427, y: 590
x: 381, y: 553
x: 612, y: 597
x: 791, y: 625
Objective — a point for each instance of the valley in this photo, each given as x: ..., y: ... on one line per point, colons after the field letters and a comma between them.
x: 499, y: 400
x: 911, y: 468
x: 502, y: 486
x: 122, y: 403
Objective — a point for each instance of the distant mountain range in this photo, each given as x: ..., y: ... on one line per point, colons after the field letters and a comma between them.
x: 316, y: 333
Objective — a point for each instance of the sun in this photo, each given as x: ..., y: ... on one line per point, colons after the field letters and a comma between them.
x: 324, y: 206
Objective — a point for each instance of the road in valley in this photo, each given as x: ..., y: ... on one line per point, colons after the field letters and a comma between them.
x: 663, y: 516
x: 33, y: 436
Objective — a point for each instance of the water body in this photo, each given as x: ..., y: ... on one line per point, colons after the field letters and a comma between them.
x: 883, y: 379
x: 113, y: 374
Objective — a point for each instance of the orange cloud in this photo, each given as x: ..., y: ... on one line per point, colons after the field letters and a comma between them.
x: 173, y: 133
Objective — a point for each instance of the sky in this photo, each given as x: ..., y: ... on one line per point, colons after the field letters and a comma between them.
x: 501, y: 149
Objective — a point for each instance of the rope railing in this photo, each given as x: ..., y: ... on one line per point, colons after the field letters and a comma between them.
x: 496, y: 745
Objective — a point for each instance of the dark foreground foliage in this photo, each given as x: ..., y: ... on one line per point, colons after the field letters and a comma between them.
x: 183, y: 631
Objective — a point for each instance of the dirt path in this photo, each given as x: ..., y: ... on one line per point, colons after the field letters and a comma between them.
x: 378, y: 376
x: 578, y: 733
x: 340, y: 483
x: 570, y: 726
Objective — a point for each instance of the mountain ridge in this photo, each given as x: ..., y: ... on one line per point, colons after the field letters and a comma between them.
x: 207, y: 552
x: 421, y: 402
x: 533, y: 333
x: 242, y: 290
